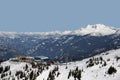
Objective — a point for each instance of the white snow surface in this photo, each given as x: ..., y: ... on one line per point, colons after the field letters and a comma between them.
x: 96, y: 30
x: 93, y: 30
x: 92, y: 73
x: 14, y: 67
x: 96, y: 72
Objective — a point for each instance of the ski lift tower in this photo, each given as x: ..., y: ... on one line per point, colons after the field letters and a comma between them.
x: 66, y: 59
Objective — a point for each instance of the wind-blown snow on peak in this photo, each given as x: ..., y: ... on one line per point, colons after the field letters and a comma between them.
x: 96, y: 30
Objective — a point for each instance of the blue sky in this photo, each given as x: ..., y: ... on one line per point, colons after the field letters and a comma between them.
x: 50, y: 15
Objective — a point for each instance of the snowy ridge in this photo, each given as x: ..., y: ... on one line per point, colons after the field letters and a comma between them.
x: 96, y: 30
x: 93, y: 30
x: 94, y: 72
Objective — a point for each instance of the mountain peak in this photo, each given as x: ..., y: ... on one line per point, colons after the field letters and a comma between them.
x: 98, y: 26
x: 95, y: 30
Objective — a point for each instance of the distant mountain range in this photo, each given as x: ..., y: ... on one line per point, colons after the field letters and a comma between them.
x: 75, y: 45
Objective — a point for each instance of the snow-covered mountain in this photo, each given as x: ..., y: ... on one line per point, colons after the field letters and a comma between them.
x: 87, y: 41
x: 94, y: 30
x: 105, y: 66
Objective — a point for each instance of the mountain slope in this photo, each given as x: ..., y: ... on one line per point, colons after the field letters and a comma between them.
x: 86, y: 42
x: 98, y: 71
x: 6, y: 52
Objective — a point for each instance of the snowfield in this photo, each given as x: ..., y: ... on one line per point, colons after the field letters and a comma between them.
x: 97, y: 71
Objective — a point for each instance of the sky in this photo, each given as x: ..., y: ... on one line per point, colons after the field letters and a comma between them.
x: 60, y: 15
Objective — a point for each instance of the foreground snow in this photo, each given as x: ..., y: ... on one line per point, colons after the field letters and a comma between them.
x: 95, y: 72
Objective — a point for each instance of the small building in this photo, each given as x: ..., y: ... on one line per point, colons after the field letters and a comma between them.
x: 25, y: 59
x: 41, y: 58
x: 50, y: 62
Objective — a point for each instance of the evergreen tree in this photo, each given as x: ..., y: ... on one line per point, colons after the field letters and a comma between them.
x: 1, y: 70
x: 111, y: 70
x: 31, y: 75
